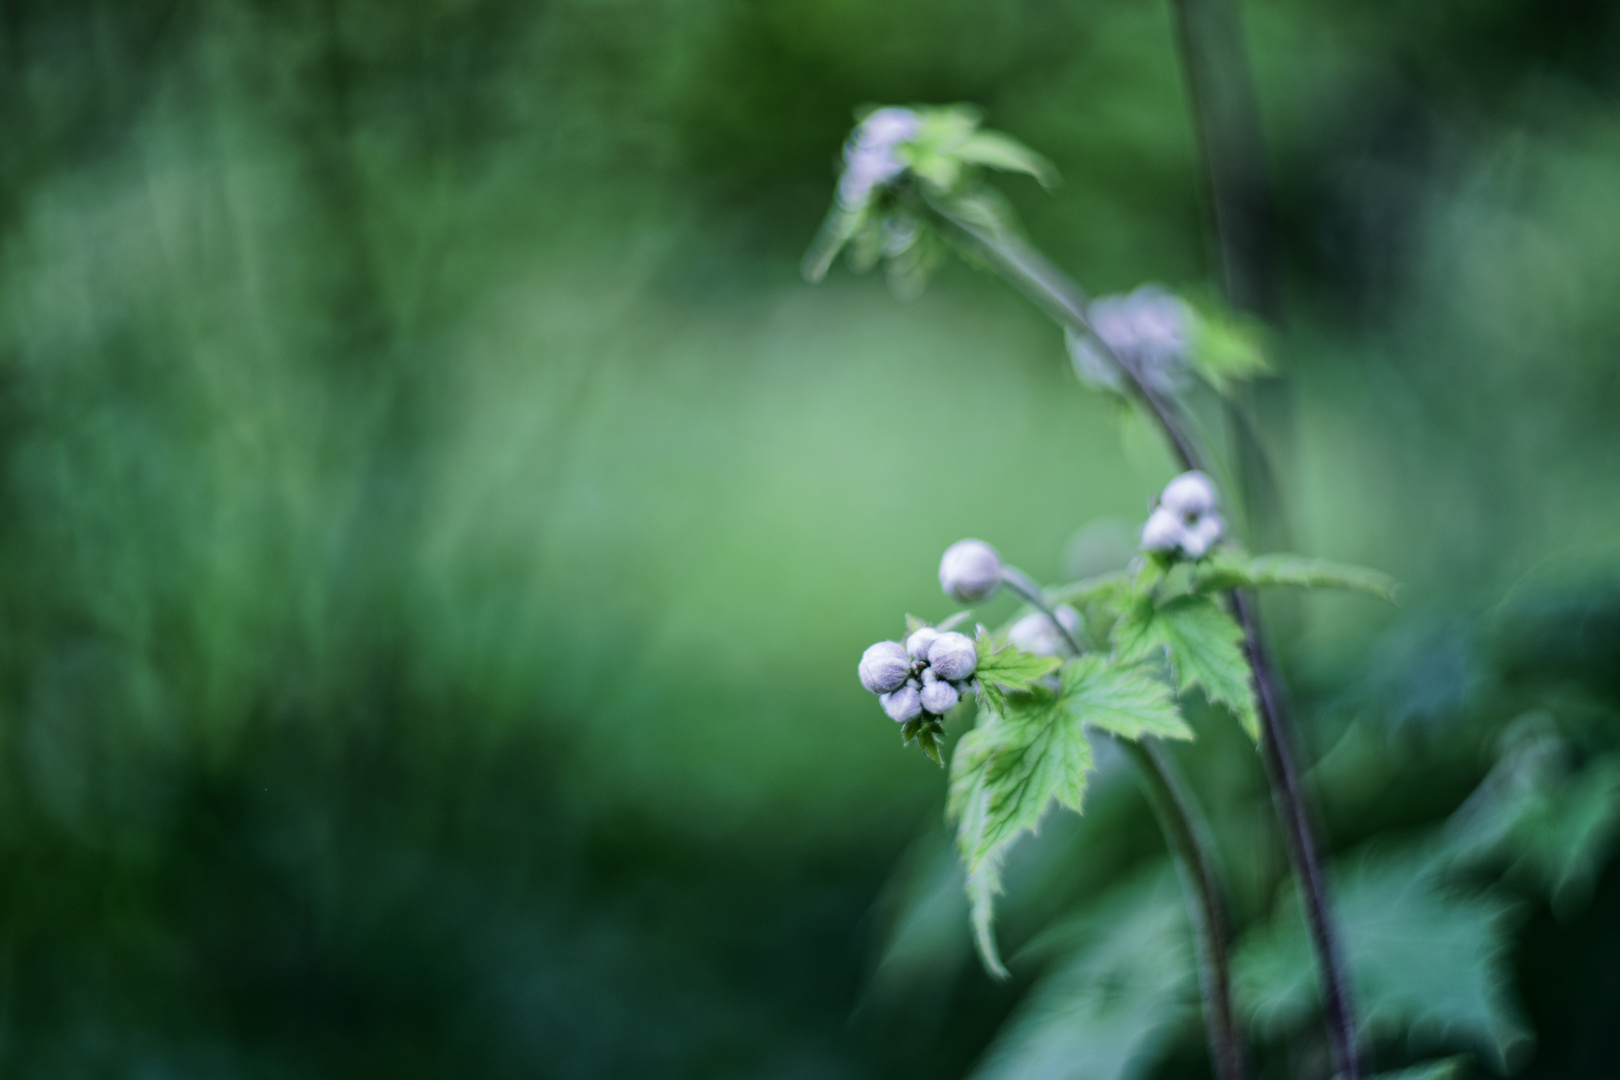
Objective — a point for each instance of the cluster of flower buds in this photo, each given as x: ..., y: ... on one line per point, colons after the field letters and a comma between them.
x: 923, y: 678
x: 870, y: 157
x: 1151, y: 330
x: 1185, y: 522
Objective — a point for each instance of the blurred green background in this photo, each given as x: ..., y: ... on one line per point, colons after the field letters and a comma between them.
x: 438, y: 526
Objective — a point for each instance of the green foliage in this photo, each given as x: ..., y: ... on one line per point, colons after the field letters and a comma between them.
x: 1226, y: 350
x: 1203, y: 646
x: 1007, y: 670
x: 1125, y: 701
x: 1421, y: 955
x: 1108, y: 1007
x: 1443, y: 1069
x: 1229, y: 569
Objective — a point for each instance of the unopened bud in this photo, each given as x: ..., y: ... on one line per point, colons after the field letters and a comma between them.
x: 953, y: 656
x: 902, y: 705
x: 939, y: 698
x: 1202, y: 535
x: 1163, y: 531
x: 1189, y: 495
x: 917, y: 644
x: 884, y: 667
x: 970, y: 571
x: 1034, y: 633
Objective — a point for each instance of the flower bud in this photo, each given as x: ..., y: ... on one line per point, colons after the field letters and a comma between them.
x: 1189, y: 495
x: 917, y: 644
x: 902, y: 705
x: 1202, y: 535
x: 939, y: 698
x: 953, y: 656
x: 884, y: 667
x: 1034, y: 633
x: 1163, y: 531
x: 970, y: 571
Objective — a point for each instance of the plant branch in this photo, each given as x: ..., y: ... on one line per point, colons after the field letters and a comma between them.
x: 1052, y: 290
x: 1189, y: 839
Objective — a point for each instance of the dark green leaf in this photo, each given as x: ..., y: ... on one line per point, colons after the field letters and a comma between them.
x: 1203, y: 645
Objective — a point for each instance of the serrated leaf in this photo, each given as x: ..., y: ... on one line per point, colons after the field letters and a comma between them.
x: 1203, y: 645
x: 1008, y: 154
x: 1226, y: 351
x: 1419, y: 955
x: 1007, y: 670
x: 1232, y: 570
x: 1110, y: 1007
x: 1040, y: 754
x: 1122, y: 700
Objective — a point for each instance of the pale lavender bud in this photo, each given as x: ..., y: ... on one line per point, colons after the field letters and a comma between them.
x: 1189, y: 495
x: 928, y: 677
x: 939, y: 698
x: 917, y: 644
x: 970, y: 571
x: 902, y: 705
x: 1202, y: 535
x: 884, y: 667
x: 888, y: 126
x: 953, y: 656
x: 1034, y: 633
x: 1163, y: 531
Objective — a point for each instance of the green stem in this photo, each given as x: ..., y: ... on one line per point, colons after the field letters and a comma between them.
x: 1034, y: 275
x: 1189, y: 839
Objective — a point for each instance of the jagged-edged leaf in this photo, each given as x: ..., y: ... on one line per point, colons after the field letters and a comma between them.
x: 1203, y: 645
x: 1111, y: 1005
x: 1008, y: 154
x: 1007, y: 670
x: 1232, y: 570
x: 1039, y: 754
x: 1123, y: 700
x: 1420, y: 954
x: 1226, y: 351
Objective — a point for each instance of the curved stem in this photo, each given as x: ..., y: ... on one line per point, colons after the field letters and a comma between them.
x: 1048, y: 287
x: 1190, y: 846
x: 1188, y: 837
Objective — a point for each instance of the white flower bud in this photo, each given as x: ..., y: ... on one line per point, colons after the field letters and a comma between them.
x: 884, y: 667
x: 1034, y: 633
x: 1189, y: 495
x: 902, y: 705
x: 1163, y: 531
x: 1202, y: 535
x: 917, y: 644
x: 928, y: 677
x: 970, y: 571
x: 953, y: 657
x: 939, y: 698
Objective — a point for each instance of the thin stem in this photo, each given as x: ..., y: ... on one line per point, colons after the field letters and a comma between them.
x: 1048, y: 287
x: 1189, y: 839
x: 1184, y: 830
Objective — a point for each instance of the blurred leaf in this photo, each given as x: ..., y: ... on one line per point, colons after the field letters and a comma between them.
x: 839, y: 227
x: 982, y: 889
x: 1226, y: 351
x: 1443, y: 1069
x: 1203, y: 645
x: 1122, y: 700
x: 1421, y: 956
x: 1110, y: 1006
x: 1008, y: 154
x: 1227, y: 569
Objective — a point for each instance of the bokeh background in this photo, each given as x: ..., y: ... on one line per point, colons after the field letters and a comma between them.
x: 438, y: 525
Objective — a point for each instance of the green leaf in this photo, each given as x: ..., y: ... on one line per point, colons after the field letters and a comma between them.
x: 1232, y: 570
x: 1443, y: 1069
x: 1203, y: 646
x: 1008, y: 671
x: 1008, y: 154
x: 837, y: 230
x: 1123, y: 700
x: 1109, y: 1008
x: 1226, y: 351
x: 982, y: 890
x: 1419, y: 955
